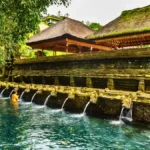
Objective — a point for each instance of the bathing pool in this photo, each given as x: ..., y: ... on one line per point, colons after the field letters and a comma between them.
x: 32, y: 127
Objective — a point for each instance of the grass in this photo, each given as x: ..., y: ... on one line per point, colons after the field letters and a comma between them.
x: 128, y: 17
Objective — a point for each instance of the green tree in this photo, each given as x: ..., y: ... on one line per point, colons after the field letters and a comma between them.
x: 67, y: 15
x: 95, y: 26
x: 20, y: 17
x: 2, y: 61
x: 59, y: 13
x: 88, y: 23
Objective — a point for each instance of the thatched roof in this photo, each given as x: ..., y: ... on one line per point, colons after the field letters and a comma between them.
x: 53, y: 17
x: 64, y: 27
x: 65, y: 35
x: 43, y: 26
x: 128, y: 23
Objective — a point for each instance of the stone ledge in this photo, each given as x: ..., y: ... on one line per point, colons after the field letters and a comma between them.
x: 126, y: 53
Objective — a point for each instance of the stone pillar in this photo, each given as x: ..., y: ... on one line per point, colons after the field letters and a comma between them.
x: 56, y: 82
x: 72, y: 82
x: 110, y: 84
x: 89, y: 82
x: 43, y: 79
x: 21, y: 79
x: 80, y: 49
x: 12, y: 78
x: 31, y: 78
x: 141, y: 86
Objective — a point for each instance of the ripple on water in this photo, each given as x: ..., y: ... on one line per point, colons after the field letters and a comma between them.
x: 38, y: 106
x: 25, y: 103
x: 78, y: 115
x: 56, y: 110
x: 34, y: 128
x: 116, y: 122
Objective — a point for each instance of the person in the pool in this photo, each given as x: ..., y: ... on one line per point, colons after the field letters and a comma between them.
x: 14, y: 97
x: 14, y: 100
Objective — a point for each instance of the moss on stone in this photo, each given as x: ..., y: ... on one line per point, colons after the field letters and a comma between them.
x: 127, y: 32
x: 135, y: 13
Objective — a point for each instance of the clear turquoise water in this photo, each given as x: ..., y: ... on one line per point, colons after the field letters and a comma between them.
x: 30, y: 127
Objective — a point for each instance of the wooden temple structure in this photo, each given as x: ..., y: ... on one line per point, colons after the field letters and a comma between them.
x: 131, y: 28
x: 68, y: 36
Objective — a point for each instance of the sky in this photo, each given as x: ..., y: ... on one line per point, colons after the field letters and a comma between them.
x: 100, y: 11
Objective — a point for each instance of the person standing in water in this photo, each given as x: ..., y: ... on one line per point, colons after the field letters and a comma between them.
x: 14, y: 97
x: 14, y: 100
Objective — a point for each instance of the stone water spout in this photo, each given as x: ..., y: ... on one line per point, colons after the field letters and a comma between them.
x: 37, y: 92
x: 27, y: 90
x: 21, y: 86
x: 127, y: 102
x: 54, y: 92
x: 15, y: 89
x: 15, y: 86
x: 126, y: 111
x: 7, y: 86
x: 61, y: 89
x: 94, y: 98
x: 70, y: 96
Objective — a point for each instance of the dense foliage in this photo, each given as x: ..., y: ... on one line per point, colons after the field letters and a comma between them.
x: 94, y: 25
x: 20, y: 17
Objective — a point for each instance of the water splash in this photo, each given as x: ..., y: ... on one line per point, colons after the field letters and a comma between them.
x: 64, y: 103
x: 84, y: 111
x: 46, y: 100
x: 38, y: 106
x: 33, y: 97
x: 127, y: 117
x: 2, y: 92
x: 78, y: 115
x: 11, y: 93
x: 86, y: 107
x: 26, y: 103
x: 129, y: 114
x: 56, y: 110
x: 116, y: 122
x: 121, y: 114
x: 22, y: 94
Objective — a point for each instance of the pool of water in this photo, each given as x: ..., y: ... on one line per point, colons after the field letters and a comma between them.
x: 32, y: 127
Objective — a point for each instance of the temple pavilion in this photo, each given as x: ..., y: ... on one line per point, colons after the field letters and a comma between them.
x: 68, y: 36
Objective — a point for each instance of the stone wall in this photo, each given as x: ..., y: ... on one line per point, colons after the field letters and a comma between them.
x: 107, y: 103
x: 121, y: 70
